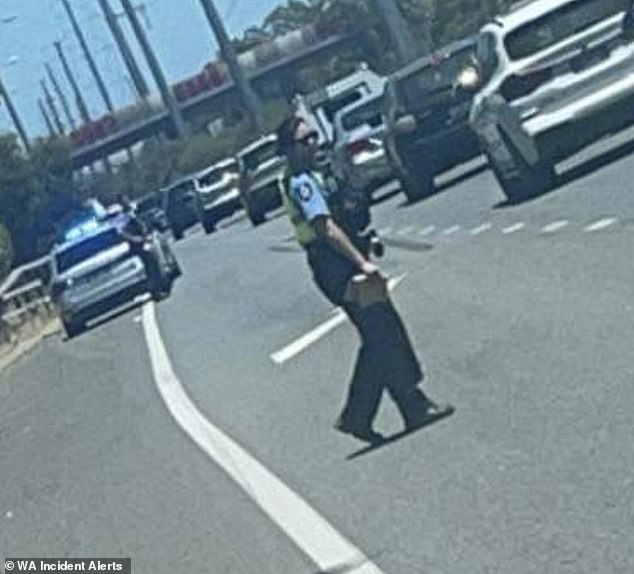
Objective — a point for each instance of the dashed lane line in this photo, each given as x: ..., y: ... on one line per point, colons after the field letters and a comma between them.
x: 555, y: 226
x: 427, y: 230
x: 452, y: 230
x: 311, y: 532
x: 302, y: 343
x: 481, y: 228
x: 513, y: 228
x: 405, y: 230
x: 601, y: 224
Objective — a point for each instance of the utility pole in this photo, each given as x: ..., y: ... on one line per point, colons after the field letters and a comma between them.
x: 79, y: 99
x: 140, y: 84
x: 91, y: 62
x: 47, y: 119
x: 15, y: 118
x: 247, y: 95
x: 60, y: 96
x: 53, y: 108
x: 400, y: 33
x: 167, y: 96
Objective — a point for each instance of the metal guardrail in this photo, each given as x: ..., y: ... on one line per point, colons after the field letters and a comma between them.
x: 24, y: 300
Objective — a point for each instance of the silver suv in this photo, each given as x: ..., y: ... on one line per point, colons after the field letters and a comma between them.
x: 553, y: 76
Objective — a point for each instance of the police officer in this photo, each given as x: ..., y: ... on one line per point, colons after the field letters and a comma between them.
x: 386, y: 359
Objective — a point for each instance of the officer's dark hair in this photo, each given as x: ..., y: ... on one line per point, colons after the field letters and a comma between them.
x: 286, y: 134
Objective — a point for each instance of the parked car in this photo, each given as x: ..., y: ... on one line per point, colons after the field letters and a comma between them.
x: 553, y: 76
x: 426, y: 115
x: 180, y: 205
x: 319, y: 108
x: 148, y: 209
x: 94, y: 271
x: 218, y: 192
x: 358, y: 157
x: 260, y: 169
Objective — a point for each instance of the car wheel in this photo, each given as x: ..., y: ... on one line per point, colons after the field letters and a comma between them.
x: 529, y: 181
x: 178, y: 234
x: 416, y: 183
x: 256, y: 218
x: 73, y: 328
x: 209, y: 225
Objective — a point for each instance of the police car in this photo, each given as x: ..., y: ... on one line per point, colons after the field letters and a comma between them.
x: 94, y: 271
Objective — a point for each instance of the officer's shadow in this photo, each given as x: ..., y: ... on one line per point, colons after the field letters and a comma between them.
x: 391, y: 439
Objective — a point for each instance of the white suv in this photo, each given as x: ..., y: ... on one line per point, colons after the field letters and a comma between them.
x: 554, y: 76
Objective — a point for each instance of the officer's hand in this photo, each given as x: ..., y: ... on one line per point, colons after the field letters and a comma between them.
x: 369, y: 268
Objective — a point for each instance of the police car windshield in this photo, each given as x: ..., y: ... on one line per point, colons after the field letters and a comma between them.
x: 81, y: 251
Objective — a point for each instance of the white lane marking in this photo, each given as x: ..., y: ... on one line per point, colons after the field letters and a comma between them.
x: 555, y: 226
x: 427, y: 230
x: 451, y: 230
x: 312, y: 533
x: 601, y: 224
x: 513, y: 228
x: 296, y: 347
x: 481, y: 229
x: 405, y: 230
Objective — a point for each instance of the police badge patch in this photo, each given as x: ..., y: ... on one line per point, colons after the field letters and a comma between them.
x: 305, y: 192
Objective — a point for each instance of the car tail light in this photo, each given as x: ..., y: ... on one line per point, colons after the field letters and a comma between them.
x: 518, y: 86
x: 358, y: 146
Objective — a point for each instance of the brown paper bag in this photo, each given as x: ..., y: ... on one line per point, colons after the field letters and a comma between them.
x: 365, y: 290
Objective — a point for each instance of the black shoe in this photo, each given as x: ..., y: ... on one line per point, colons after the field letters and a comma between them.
x: 431, y: 413
x: 364, y: 433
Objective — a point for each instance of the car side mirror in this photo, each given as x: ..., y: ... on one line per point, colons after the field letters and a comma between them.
x: 405, y: 125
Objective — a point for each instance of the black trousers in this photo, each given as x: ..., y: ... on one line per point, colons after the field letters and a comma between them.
x: 385, y: 360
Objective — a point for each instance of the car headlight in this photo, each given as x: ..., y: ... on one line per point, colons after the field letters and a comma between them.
x: 469, y: 78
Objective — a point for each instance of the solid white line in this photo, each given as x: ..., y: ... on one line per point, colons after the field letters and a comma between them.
x: 601, y: 224
x: 427, y: 230
x: 481, y: 229
x: 312, y: 533
x: 555, y: 226
x: 451, y: 230
x: 405, y: 230
x: 513, y: 228
x: 296, y: 347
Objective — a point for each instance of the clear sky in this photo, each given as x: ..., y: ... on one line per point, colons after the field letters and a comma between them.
x: 178, y: 31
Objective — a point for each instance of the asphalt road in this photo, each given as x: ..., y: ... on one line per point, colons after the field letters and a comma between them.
x: 523, y: 317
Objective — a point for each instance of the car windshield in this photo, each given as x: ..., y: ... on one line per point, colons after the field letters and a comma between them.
x: 147, y: 203
x: 84, y: 250
x: 259, y: 155
x: 439, y: 75
x: 335, y: 104
x: 215, y: 175
x: 178, y: 191
x: 560, y: 24
x: 368, y: 113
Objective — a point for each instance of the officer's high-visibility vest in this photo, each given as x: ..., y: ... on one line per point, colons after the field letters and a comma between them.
x: 304, y: 232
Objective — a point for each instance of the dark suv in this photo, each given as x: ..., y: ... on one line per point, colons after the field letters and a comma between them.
x: 180, y: 206
x: 426, y: 114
